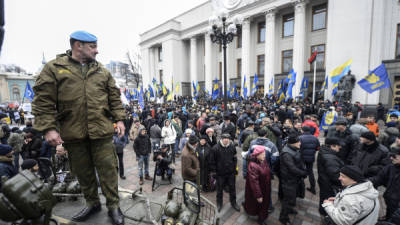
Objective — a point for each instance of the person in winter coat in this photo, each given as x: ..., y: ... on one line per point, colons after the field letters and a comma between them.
x: 155, y: 135
x: 357, y: 203
x: 388, y: 136
x: 372, y: 125
x: 309, y: 123
x: 120, y: 143
x: 203, y: 152
x: 380, y: 112
x: 394, y: 120
x: 359, y: 127
x: 7, y: 169
x: 134, y: 131
x: 292, y: 173
x: 223, y: 163
x: 16, y: 140
x: 184, y: 139
x: 389, y: 177
x: 177, y: 124
x: 211, y: 139
x: 168, y: 134
x: 247, y: 132
x: 329, y: 165
x: 227, y: 127
x: 258, y: 186
x: 190, y: 163
x: 309, y: 145
x: 370, y: 156
x: 142, y: 148
x: 347, y: 139
x: 32, y: 145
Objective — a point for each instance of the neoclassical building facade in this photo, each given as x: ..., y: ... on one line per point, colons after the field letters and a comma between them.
x: 275, y: 37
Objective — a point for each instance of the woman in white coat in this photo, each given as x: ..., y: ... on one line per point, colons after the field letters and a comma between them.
x: 357, y: 203
x: 168, y: 135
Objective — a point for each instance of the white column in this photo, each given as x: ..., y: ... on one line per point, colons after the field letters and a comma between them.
x: 193, y: 62
x: 152, y: 69
x: 246, y: 54
x: 269, y: 63
x: 208, y: 62
x: 298, y: 43
x: 145, y: 66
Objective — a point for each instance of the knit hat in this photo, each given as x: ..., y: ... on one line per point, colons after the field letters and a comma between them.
x: 209, y: 130
x: 193, y: 139
x: 188, y: 131
x: 341, y: 122
x: 369, y: 135
x: 258, y: 149
x: 332, y: 141
x: 225, y: 135
x: 293, y: 139
x: 353, y: 172
x: 204, y: 137
x: 5, y: 149
x: 28, y: 164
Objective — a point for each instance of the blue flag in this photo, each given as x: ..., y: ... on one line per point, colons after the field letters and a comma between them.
x: 29, y: 92
x: 376, y: 79
x: 328, y: 120
x: 215, y: 91
x: 291, y: 79
x: 245, y: 87
x: 304, y: 87
x: 254, y: 86
x: 141, y: 100
x: 151, y: 91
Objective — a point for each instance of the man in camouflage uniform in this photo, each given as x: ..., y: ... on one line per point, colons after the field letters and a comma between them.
x: 76, y: 101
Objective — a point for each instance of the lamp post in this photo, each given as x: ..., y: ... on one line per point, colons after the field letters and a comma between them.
x: 222, y: 32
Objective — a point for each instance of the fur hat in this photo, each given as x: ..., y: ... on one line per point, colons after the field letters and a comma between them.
x: 354, y: 173
x: 193, y: 139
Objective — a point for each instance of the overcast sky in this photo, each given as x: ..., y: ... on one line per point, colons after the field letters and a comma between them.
x: 34, y: 27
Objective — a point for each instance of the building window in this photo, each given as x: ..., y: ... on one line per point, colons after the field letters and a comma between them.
x: 320, y: 59
x: 261, y: 32
x: 161, y: 76
x: 287, y: 60
x: 260, y: 65
x: 398, y: 42
x: 319, y: 17
x: 160, y: 54
x: 288, y: 25
x: 239, y: 40
x: 16, y: 94
x: 238, y: 68
x: 220, y: 70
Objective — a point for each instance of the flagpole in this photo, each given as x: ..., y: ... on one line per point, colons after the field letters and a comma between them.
x: 314, y: 81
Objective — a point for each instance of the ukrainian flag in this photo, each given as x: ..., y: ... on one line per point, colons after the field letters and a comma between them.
x: 177, y: 86
x: 304, y: 87
x: 151, y: 91
x: 328, y: 120
x: 245, y: 87
x: 170, y: 96
x: 375, y: 80
x: 194, y: 88
x: 340, y: 71
x: 271, y: 88
x: 281, y: 91
x: 254, y: 86
x: 325, y: 84
x: 164, y: 90
x: 335, y: 89
x: 215, y: 91
x: 291, y: 81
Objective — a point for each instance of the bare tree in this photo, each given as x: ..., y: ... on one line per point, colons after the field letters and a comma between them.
x: 134, y: 63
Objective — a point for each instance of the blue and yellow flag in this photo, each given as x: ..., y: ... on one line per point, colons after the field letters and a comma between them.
x: 291, y: 82
x: 215, y: 91
x: 128, y: 95
x: 328, y: 120
x: 340, y: 71
x: 245, y: 87
x: 281, y: 91
x: 271, y: 88
x: 151, y: 91
x: 170, y: 96
x: 304, y: 87
x: 197, y: 88
x: 335, y: 89
x: 194, y: 88
x: 375, y: 80
x: 324, y: 85
x: 235, y: 91
x: 254, y: 85
x: 164, y: 90
x: 141, y: 100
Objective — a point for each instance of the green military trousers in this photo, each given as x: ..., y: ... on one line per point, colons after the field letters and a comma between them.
x: 88, y: 157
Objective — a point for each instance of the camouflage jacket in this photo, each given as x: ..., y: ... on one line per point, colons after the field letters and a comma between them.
x: 79, y: 105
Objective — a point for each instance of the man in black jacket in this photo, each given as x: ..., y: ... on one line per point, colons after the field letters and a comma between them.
x: 309, y: 145
x: 292, y: 173
x: 223, y: 162
x: 228, y: 127
x: 142, y: 147
x: 348, y: 141
x: 329, y: 165
x: 390, y: 178
x: 370, y: 156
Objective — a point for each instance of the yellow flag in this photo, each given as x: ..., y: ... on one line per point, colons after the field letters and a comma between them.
x: 177, y: 88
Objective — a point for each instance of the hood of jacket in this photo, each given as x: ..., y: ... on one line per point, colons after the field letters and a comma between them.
x: 365, y: 189
x: 392, y: 131
x: 166, y: 121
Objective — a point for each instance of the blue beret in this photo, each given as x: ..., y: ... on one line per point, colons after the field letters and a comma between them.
x: 5, y: 149
x: 83, y: 36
